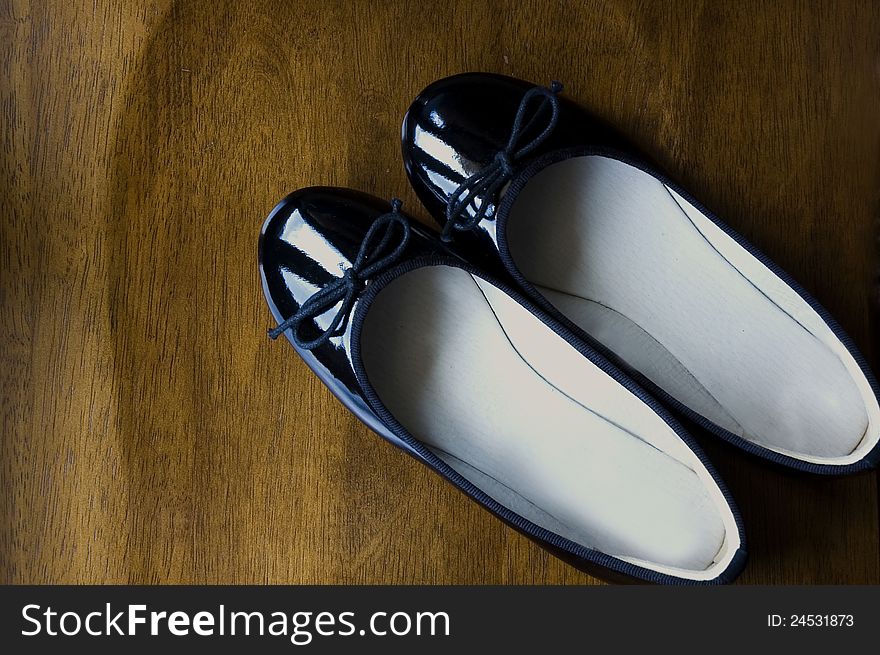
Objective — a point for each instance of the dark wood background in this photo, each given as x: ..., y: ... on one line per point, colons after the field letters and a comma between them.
x: 152, y: 433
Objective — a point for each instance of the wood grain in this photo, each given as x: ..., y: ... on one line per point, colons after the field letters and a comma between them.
x: 152, y: 433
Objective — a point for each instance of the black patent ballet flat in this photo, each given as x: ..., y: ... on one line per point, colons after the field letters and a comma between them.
x: 530, y: 184
x: 465, y: 374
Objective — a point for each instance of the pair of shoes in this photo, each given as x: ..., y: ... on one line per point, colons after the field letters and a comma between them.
x: 522, y: 352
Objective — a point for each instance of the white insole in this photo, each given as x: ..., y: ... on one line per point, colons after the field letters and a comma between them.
x: 646, y: 274
x: 518, y: 411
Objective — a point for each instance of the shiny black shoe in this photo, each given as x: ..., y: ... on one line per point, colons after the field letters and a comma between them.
x: 465, y: 374
x: 527, y: 183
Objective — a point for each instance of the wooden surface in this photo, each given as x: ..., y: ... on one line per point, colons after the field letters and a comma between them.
x: 152, y: 433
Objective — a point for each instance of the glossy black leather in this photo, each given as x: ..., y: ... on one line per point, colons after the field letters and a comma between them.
x: 455, y: 127
x: 308, y: 240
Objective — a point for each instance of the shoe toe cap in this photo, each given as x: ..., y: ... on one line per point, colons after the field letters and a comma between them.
x: 308, y: 239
